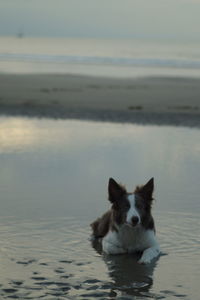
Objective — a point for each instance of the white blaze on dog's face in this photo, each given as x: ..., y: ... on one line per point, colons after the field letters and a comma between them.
x: 132, y: 217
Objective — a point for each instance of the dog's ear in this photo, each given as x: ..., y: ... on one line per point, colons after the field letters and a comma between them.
x: 115, y: 191
x: 147, y: 189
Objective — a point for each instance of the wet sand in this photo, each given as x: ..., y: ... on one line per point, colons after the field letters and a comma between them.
x: 173, y: 101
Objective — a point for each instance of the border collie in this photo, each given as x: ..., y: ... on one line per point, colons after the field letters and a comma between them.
x: 128, y: 226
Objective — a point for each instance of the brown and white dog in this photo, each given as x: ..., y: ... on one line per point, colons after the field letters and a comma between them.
x: 128, y: 226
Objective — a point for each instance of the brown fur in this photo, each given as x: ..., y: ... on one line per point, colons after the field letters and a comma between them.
x: 101, y: 226
x: 145, y: 191
x: 115, y: 191
x: 144, y: 208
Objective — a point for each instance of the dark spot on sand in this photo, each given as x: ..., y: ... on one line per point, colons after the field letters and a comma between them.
x: 94, y: 86
x: 103, y: 295
x: 61, y: 284
x: 13, y: 297
x: 65, y: 289
x: 80, y: 264
x: 33, y: 288
x: 65, y: 276
x: 93, y: 287
x: 45, y: 283
x: 26, y: 262
x: 10, y: 290
x: 56, y: 294
x: 17, y: 282
x: 66, y: 261
x: 45, y: 90
x: 55, y: 102
x: 38, y: 278
x: 172, y: 293
x: 28, y: 103
x: 91, y: 281
x: 184, y: 107
x: 167, y: 292
x: 135, y: 107
x: 59, y: 271
x: 56, y: 90
x: 77, y: 287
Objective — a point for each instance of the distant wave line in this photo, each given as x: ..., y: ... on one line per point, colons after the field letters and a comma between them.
x: 102, y: 60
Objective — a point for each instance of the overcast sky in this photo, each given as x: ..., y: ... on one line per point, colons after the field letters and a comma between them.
x: 165, y: 19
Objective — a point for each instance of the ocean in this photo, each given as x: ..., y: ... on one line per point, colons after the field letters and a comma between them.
x: 99, y: 57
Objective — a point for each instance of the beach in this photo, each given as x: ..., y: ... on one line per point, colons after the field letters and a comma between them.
x: 147, y: 100
x: 119, y: 80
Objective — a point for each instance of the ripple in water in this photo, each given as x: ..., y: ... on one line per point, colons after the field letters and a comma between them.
x: 86, y: 273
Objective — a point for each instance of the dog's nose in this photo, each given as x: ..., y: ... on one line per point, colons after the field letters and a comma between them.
x: 134, y: 220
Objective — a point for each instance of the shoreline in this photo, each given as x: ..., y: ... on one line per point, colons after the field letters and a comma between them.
x: 150, y: 100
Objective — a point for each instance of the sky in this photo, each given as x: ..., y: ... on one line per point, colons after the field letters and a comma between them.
x: 162, y: 19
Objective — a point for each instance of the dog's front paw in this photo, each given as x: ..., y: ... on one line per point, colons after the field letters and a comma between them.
x: 144, y: 260
x: 148, y: 255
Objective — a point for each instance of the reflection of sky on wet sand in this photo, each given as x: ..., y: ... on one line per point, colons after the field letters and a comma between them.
x: 61, y: 167
x: 53, y: 181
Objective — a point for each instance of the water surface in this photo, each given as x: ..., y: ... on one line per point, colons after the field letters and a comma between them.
x: 100, y: 57
x: 53, y: 182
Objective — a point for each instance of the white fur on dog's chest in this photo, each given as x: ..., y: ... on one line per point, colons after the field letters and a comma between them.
x: 128, y: 240
x: 133, y: 239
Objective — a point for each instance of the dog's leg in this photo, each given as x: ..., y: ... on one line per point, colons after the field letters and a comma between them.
x: 111, y: 244
x: 149, y: 254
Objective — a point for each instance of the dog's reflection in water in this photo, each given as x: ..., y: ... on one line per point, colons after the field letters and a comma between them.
x: 128, y: 276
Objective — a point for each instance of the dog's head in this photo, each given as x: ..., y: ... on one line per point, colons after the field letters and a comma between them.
x: 133, y: 209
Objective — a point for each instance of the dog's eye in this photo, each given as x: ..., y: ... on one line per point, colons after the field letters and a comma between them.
x: 139, y: 205
x: 127, y: 206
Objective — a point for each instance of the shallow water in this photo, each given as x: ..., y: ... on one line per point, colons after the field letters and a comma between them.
x: 53, y: 182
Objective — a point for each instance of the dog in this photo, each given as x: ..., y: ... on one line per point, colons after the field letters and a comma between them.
x: 128, y: 227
